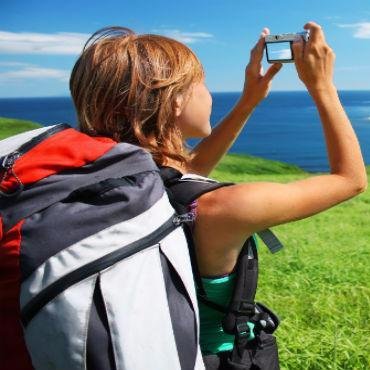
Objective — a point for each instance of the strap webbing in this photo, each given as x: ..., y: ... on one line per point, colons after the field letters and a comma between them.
x: 271, y: 240
x: 242, y: 304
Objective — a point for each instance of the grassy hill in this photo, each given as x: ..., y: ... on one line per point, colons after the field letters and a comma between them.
x: 319, y: 284
x: 11, y: 126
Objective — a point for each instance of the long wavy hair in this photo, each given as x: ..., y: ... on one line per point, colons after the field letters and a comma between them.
x: 124, y: 86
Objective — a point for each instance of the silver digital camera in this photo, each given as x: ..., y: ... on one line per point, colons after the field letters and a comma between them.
x: 279, y: 47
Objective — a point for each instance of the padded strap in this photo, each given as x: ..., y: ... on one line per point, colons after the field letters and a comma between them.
x: 242, y: 305
x: 181, y: 193
x: 186, y: 189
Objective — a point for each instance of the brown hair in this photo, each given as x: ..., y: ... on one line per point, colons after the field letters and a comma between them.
x: 124, y: 86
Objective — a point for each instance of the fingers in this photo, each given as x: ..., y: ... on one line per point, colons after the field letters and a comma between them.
x: 265, y: 32
x: 272, y: 71
x: 316, y: 33
x: 257, y: 52
x: 298, y: 49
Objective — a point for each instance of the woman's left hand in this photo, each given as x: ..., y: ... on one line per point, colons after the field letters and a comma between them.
x: 257, y: 84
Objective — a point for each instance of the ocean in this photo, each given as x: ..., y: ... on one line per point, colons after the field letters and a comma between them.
x: 285, y: 126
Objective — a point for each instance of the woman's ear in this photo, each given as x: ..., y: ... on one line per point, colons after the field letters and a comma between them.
x: 178, y: 105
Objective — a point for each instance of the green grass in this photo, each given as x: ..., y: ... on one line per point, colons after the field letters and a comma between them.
x: 319, y: 284
x: 10, y: 126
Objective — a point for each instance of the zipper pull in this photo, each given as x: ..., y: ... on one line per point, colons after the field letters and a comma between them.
x: 8, y: 163
x: 9, y: 160
x: 186, y: 217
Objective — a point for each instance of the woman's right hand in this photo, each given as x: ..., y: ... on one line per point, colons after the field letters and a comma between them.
x: 314, y: 59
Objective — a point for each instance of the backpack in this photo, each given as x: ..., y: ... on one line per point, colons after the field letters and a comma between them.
x: 94, y: 259
x: 252, y: 323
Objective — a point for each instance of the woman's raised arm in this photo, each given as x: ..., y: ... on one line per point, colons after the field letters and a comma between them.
x: 210, y: 150
x: 235, y: 212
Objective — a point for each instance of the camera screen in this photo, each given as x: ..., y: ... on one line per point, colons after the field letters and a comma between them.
x: 279, y: 51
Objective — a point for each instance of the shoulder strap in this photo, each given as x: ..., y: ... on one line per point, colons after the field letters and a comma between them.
x: 182, y: 191
x: 242, y: 305
x: 244, y: 318
x: 185, y: 189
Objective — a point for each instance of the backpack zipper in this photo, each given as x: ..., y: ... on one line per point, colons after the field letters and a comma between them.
x: 186, y: 217
x: 91, y: 268
x: 7, y: 164
x: 8, y: 161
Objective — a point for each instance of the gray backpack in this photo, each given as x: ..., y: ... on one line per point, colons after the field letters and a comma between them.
x: 104, y: 270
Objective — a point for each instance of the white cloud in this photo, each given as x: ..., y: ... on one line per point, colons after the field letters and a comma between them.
x: 13, y: 64
x: 42, y: 43
x: 67, y: 43
x: 362, y: 29
x: 34, y: 72
x: 185, y: 37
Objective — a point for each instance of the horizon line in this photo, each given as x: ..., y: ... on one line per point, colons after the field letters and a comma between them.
x: 212, y: 92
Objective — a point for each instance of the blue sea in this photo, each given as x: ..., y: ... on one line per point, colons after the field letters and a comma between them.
x: 284, y: 127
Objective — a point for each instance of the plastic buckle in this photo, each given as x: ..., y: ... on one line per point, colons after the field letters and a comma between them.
x: 242, y: 329
x: 245, y: 330
x: 272, y: 321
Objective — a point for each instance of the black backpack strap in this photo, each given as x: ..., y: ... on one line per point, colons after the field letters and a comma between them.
x: 185, y: 190
x: 241, y: 307
x: 188, y: 188
x: 181, y: 193
x: 246, y: 319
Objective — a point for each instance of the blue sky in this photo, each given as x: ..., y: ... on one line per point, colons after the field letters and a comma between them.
x: 40, y: 40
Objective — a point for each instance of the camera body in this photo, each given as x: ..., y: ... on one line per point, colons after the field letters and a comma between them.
x: 279, y: 47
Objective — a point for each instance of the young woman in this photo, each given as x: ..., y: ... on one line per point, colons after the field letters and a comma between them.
x: 149, y: 90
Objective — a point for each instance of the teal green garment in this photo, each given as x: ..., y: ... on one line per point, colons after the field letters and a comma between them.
x: 212, y: 337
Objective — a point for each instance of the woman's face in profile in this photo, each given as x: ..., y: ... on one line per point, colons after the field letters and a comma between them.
x: 194, y: 119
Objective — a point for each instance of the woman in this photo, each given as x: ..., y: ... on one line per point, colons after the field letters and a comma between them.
x: 149, y: 90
